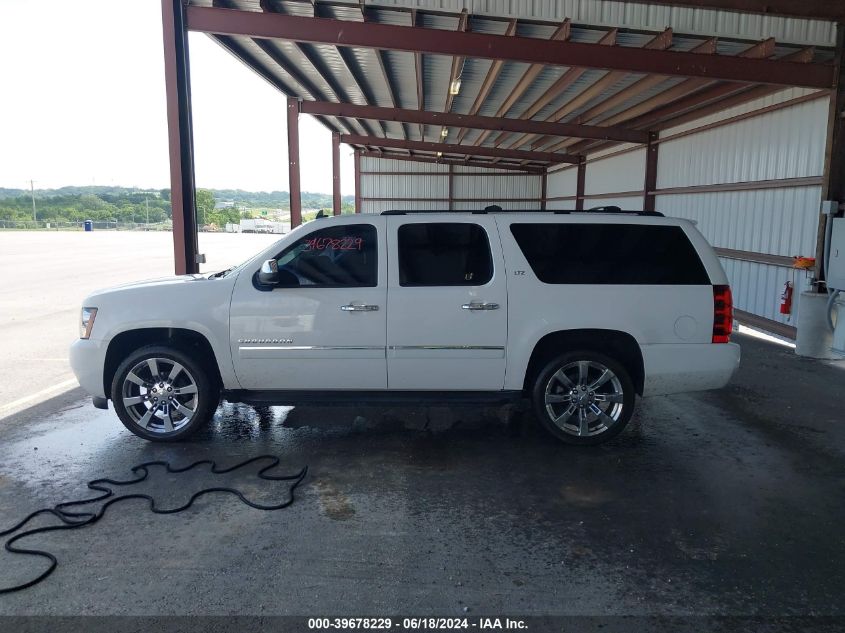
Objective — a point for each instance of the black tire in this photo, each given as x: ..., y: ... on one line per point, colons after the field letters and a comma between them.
x: 193, y: 379
x: 620, y: 391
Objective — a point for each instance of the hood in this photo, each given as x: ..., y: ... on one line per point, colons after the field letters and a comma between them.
x: 152, y: 284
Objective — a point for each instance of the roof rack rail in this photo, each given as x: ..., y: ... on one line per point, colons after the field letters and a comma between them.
x: 497, y: 209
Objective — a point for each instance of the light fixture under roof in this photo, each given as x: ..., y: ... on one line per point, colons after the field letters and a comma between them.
x: 439, y: 154
x: 455, y: 86
x: 444, y: 132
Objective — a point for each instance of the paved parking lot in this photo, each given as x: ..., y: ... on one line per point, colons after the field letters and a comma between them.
x: 720, y: 503
x: 45, y: 275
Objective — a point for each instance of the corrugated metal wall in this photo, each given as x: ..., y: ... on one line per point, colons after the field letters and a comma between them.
x: 399, y: 184
x: 776, y: 220
x: 773, y: 215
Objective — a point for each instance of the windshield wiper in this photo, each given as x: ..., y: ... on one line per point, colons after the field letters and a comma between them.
x: 221, y: 273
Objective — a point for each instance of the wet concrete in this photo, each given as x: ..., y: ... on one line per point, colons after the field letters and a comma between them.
x: 723, y: 503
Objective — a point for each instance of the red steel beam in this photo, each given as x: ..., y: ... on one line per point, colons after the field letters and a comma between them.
x: 419, y: 74
x: 489, y: 80
x: 293, y: 163
x: 833, y: 10
x: 358, y: 180
x: 650, y: 181
x: 561, y: 34
x: 519, y: 49
x: 177, y: 82
x: 350, y: 110
x: 569, y: 77
x: 336, y: 174
x: 688, y: 87
x: 580, y: 184
x: 544, y: 188
x: 660, y: 42
x: 463, y: 150
x: 419, y: 158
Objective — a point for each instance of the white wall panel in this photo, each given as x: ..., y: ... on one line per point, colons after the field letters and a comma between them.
x: 625, y: 172
x: 495, y: 189
x: 369, y: 163
x: 633, y: 203
x: 787, y: 143
x: 428, y: 186
x: 756, y: 288
x: 774, y: 221
x: 562, y: 183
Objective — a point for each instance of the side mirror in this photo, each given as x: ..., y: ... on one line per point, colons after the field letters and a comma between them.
x: 269, y: 273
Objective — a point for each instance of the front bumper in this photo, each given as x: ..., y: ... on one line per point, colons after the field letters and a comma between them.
x: 87, y: 359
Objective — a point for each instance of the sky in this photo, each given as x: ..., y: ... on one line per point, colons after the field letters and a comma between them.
x: 82, y: 102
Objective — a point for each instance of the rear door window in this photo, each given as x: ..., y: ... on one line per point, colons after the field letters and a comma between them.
x: 444, y: 254
x: 333, y: 257
x: 610, y: 254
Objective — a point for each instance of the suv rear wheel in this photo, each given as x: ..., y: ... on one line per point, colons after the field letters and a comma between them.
x: 583, y: 397
x: 162, y: 394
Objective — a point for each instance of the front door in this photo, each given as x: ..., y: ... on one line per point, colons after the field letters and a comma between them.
x: 446, y: 304
x: 323, y: 326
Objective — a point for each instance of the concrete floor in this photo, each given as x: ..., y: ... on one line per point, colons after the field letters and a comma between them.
x: 720, y: 503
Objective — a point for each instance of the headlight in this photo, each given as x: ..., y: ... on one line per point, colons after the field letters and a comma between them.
x: 86, y: 323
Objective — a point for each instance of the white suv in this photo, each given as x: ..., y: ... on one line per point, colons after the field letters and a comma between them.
x: 580, y: 312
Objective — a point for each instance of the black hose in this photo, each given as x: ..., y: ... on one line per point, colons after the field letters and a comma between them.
x: 73, y: 520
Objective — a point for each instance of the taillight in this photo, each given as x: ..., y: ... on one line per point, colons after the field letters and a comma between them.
x: 723, y: 314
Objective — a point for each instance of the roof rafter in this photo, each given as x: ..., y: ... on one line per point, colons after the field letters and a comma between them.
x: 462, y: 150
x: 486, y: 46
x: 569, y: 76
x: 462, y: 162
x: 456, y: 70
x: 561, y: 34
x: 348, y: 110
x: 489, y: 80
x: 271, y: 9
x: 659, y: 42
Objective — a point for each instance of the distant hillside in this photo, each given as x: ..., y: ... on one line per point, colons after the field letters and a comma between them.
x: 127, y: 204
x: 249, y: 199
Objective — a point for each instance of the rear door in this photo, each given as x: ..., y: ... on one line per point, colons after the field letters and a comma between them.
x: 446, y: 304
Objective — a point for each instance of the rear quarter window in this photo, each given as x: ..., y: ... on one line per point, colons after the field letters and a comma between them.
x: 635, y: 254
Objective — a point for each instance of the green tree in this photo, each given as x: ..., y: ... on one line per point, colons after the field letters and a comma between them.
x: 205, y: 206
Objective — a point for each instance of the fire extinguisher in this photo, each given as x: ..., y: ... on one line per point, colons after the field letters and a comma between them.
x: 786, y: 298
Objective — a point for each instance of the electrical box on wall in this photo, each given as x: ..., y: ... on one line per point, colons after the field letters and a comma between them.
x: 836, y: 267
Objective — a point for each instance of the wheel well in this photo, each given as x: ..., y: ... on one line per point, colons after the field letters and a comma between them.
x: 620, y: 346
x: 187, y: 341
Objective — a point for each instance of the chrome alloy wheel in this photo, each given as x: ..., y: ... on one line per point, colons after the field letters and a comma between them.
x: 584, y: 398
x: 160, y: 395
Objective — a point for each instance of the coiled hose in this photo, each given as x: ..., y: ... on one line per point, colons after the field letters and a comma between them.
x: 74, y: 520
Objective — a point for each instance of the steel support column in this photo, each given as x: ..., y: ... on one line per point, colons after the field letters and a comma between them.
x: 833, y: 187
x: 451, y: 187
x: 293, y: 163
x: 336, y: 174
x: 544, y: 183
x: 580, y: 182
x: 650, y: 183
x: 357, y: 181
x: 177, y: 82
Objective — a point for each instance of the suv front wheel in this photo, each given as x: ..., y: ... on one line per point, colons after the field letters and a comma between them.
x: 162, y: 394
x: 583, y: 397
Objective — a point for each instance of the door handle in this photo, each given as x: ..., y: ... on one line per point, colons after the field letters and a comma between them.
x: 359, y: 307
x: 478, y: 305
